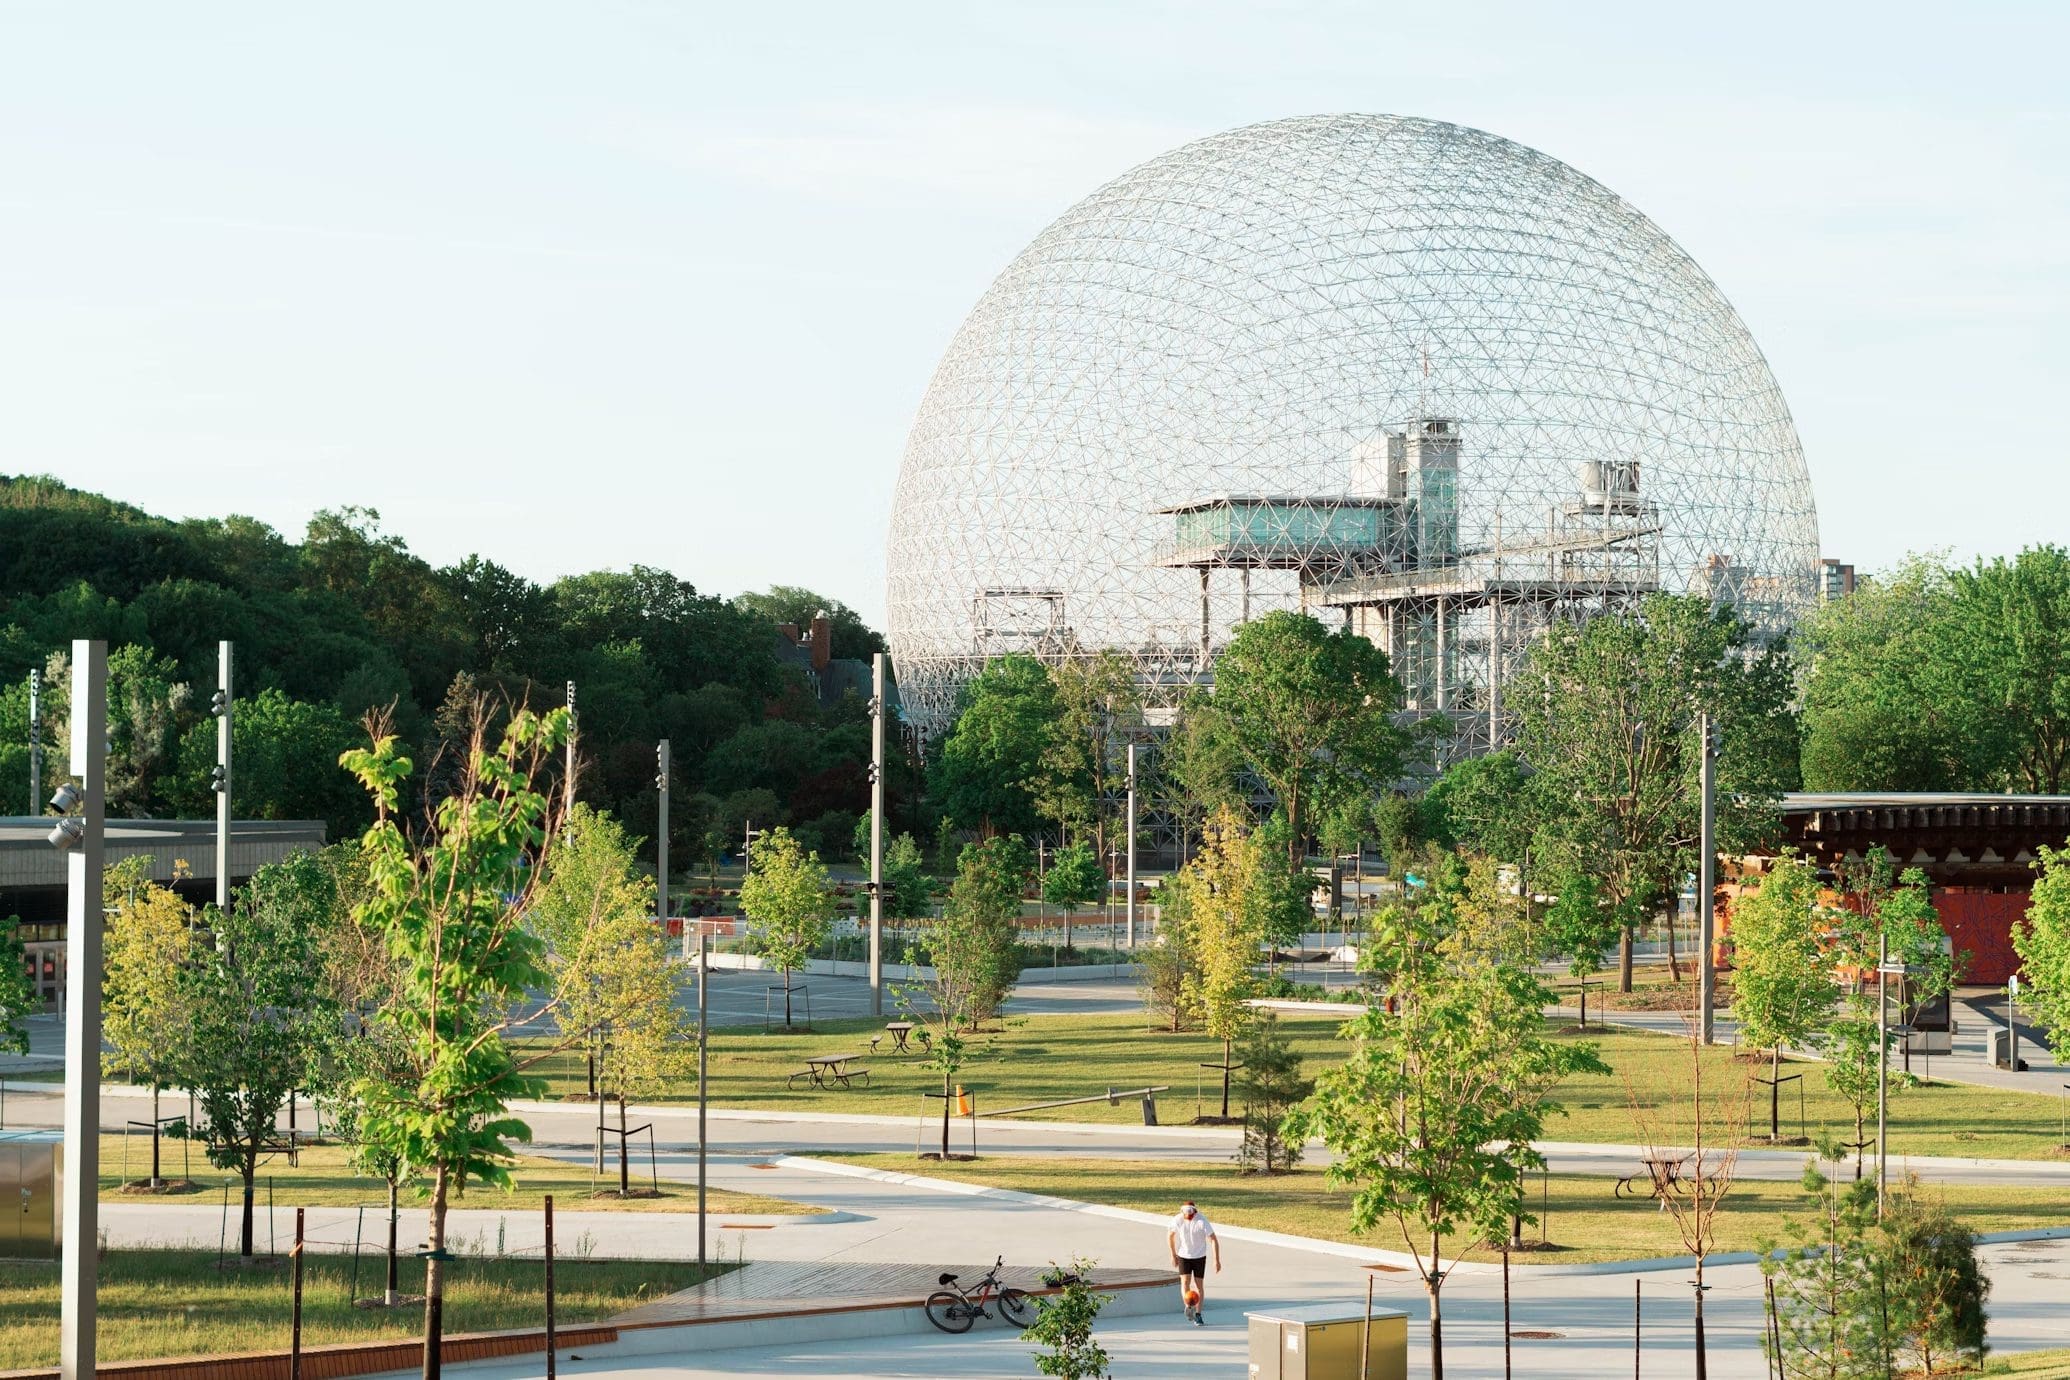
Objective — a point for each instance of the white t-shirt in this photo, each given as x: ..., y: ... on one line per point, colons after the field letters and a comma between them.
x: 1190, y: 1234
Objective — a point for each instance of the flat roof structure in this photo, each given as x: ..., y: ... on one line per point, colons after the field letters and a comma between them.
x: 32, y: 873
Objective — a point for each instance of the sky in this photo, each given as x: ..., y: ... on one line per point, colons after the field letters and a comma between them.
x: 577, y: 286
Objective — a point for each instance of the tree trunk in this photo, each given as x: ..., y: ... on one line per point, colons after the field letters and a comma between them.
x: 1432, y: 1286
x: 624, y: 1168
x: 1674, y: 960
x: 1702, y: 1359
x: 435, y: 1279
x: 1775, y: 1068
x: 1624, y: 959
x: 948, y: 1100
x: 394, y: 1191
x: 250, y: 1171
x: 786, y: 999
x: 1225, y: 1078
x: 156, y: 1182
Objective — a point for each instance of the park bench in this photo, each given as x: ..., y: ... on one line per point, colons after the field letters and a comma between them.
x: 828, y: 1070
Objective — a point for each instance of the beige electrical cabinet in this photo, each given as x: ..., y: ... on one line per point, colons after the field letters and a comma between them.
x: 29, y: 1178
x: 1320, y: 1342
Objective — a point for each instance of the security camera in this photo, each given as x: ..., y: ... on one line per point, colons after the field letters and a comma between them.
x: 67, y: 834
x: 66, y: 799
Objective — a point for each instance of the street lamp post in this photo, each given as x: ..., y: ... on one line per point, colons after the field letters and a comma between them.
x: 1129, y: 906
x: 1707, y: 883
x: 223, y: 713
x: 661, y: 836
x: 877, y: 710
x: 83, y: 839
x: 35, y: 741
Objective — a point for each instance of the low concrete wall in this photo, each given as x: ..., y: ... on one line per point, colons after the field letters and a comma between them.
x: 920, y: 972
x: 337, y: 1359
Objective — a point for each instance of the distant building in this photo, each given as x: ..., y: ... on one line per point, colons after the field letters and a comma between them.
x: 1835, y: 581
x: 810, y: 651
x: 183, y: 857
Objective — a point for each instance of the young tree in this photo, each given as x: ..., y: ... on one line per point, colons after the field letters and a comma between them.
x: 449, y: 905
x: 1580, y: 924
x: 1271, y: 1085
x: 17, y: 993
x: 1227, y: 888
x: 145, y: 1018
x: 2013, y: 621
x: 1481, y: 804
x: 974, y: 944
x: 1097, y: 705
x: 788, y: 902
x: 1063, y: 1328
x: 907, y: 886
x: 2042, y: 941
x: 1171, y: 962
x: 1311, y: 712
x: 1435, y: 1113
x: 1935, y: 1284
x: 368, y: 1046
x: 258, y: 1013
x: 1783, y: 982
x: 613, y: 983
x: 1075, y: 878
x: 1610, y: 734
x: 1830, y: 1293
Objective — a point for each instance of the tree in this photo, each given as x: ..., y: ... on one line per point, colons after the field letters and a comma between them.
x: 1937, y: 1287
x: 1580, y: 923
x: 989, y: 765
x: 788, y: 902
x: 615, y: 989
x: 1227, y: 889
x: 1782, y: 978
x: 1075, y: 878
x: 907, y: 886
x: 1435, y: 1112
x: 1829, y: 1313
x: 1098, y: 703
x: 1612, y: 740
x: 2014, y: 619
x: 1311, y: 712
x: 145, y: 1017
x: 286, y: 764
x: 2042, y: 940
x: 1199, y: 765
x: 853, y: 639
x: 1481, y: 804
x: 1063, y: 1327
x: 258, y: 1013
x: 17, y: 993
x: 974, y: 944
x: 1271, y: 1085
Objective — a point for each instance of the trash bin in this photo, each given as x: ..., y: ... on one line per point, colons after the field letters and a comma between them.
x: 1320, y: 1342
x: 2001, y: 1049
x: 30, y: 1169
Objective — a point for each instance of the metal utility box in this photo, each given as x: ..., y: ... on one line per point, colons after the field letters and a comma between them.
x: 30, y: 1174
x: 1320, y: 1342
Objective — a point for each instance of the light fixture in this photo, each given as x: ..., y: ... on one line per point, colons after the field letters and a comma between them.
x: 67, y: 834
x: 66, y: 799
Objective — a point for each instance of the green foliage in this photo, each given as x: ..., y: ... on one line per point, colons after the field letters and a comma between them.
x: 1936, y: 1285
x: 1830, y: 1291
x: 1170, y: 966
x: 1435, y: 1112
x: 1310, y: 711
x: 285, y: 764
x: 1075, y: 877
x: 1098, y: 703
x: 1480, y: 804
x: 1271, y: 1085
x: 907, y: 887
x: 991, y: 764
x: 257, y: 1012
x: 973, y: 944
x: 1063, y: 1327
x: 449, y: 906
x: 1227, y: 889
x: 1783, y: 987
x: 1581, y: 923
x: 787, y: 900
x: 17, y: 994
x: 144, y: 1017
x: 2042, y: 940
x: 853, y: 639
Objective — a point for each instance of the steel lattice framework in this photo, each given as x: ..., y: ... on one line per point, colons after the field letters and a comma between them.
x: 1397, y: 372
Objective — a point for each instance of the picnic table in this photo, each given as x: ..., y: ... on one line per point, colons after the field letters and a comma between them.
x: 898, y: 1031
x: 829, y: 1070
x: 1663, y: 1178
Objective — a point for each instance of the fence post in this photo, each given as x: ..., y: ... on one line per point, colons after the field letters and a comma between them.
x: 549, y: 1288
x: 295, y: 1334
x: 352, y: 1291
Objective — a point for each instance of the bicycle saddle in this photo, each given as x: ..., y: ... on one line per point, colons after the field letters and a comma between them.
x: 946, y: 1280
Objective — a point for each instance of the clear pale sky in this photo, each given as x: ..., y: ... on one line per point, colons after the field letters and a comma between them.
x: 584, y: 285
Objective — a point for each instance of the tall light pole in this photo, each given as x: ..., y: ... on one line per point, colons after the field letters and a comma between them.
x: 1707, y: 883
x: 704, y: 954
x: 1129, y: 906
x: 1882, y: 1067
x: 661, y: 845
x: 35, y: 741
x: 221, y: 708
x: 83, y: 838
x: 877, y: 711
x: 568, y: 774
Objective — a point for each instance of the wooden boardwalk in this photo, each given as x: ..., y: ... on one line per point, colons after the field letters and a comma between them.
x: 786, y: 1288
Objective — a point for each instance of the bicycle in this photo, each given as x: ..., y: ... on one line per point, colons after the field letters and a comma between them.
x: 955, y: 1309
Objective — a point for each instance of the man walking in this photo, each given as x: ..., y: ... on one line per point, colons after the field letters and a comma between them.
x: 1189, y: 1239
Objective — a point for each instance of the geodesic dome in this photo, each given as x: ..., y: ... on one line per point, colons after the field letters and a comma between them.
x: 1397, y: 372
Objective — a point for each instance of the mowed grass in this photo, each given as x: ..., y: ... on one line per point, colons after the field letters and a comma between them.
x: 1053, y: 1058
x: 324, y: 1177
x: 1583, y: 1220
x: 2053, y: 1364
x: 156, y: 1303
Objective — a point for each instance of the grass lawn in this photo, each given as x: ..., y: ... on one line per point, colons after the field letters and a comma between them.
x: 176, y: 1303
x: 1044, y: 1058
x: 2053, y: 1364
x: 1583, y: 1220
x: 325, y: 1179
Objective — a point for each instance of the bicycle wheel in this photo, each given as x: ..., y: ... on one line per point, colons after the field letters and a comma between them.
x: 1016, y: 1307
x: 949, y: 1312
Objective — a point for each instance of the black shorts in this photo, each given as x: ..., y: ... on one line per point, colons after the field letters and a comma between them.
x: 1194, y: 1266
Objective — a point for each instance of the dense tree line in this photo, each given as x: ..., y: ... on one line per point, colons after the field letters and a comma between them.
x: 348, y: 620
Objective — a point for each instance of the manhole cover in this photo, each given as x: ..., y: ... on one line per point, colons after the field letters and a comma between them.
x: 761, y: 1166
x: 1538, y: 1336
